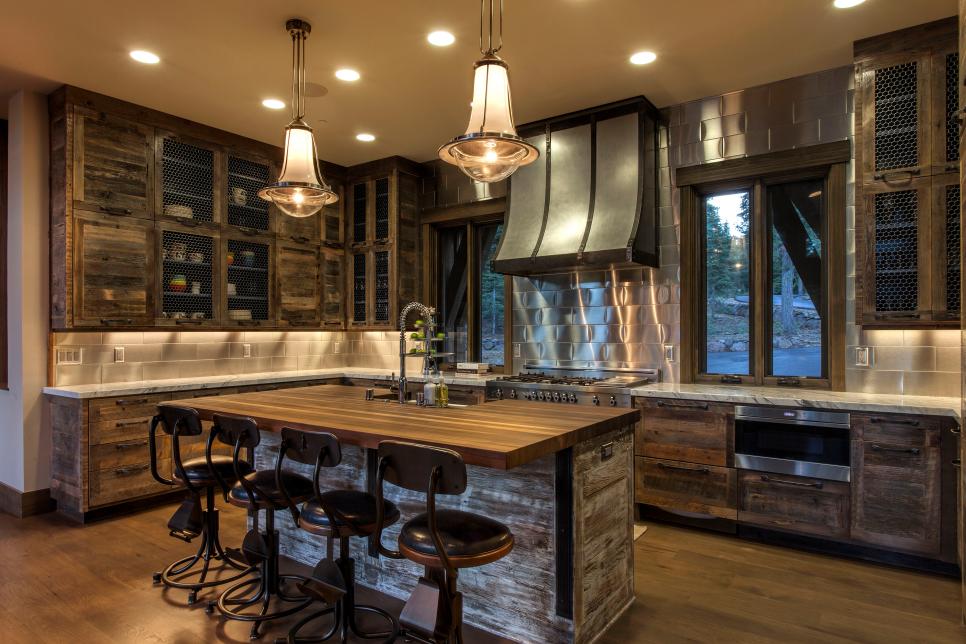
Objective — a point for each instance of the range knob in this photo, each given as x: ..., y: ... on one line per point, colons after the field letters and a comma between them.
x: 613, y: 401
x: 513, y: 394
x: 573, y: 397
x: 499, y: 394
x: 539, y: 395
x: 556, y: 397
x: 596, y: 400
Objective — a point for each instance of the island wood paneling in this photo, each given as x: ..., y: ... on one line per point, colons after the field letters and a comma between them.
x: 500, y: 434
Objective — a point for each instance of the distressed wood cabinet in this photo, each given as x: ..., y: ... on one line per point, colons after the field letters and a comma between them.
x: 794, y: 503
x: 907, y: 147
x: 299, y: 283
x: 688, y: 431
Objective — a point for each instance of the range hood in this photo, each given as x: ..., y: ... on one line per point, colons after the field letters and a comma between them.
x: 591, y: 199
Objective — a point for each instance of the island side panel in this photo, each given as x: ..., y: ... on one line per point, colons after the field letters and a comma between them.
x: 603, y: 488
x: 513, y: 597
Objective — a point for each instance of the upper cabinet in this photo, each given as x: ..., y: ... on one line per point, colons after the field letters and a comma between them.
x: 156, y: 222
x: 112, y: 168
x: 907, y: 178
x: 382, y: 235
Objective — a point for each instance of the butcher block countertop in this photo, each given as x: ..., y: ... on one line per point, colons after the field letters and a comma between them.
x: 500, y: 434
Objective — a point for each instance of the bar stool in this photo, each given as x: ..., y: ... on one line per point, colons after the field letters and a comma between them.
x: 333, y: 514
x: 254, y: 491
x: 443, y: 541
x: 190, y: 520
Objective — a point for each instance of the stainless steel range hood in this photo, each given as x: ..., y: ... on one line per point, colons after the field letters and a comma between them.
x: 590, y: 200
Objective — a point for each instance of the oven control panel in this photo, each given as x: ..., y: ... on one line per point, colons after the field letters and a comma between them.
x: 559, y: 397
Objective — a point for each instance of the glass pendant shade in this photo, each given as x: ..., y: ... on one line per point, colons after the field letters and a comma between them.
x: 300, y: 190
x: 490, y: 150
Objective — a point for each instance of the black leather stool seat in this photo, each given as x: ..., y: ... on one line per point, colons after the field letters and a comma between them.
x: 355, y: 506
x: 469, y: 539
x: 299, y: 487
x: 198, y: 473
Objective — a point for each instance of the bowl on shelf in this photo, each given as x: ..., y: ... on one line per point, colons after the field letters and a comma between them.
x: 196, y: 258
x: 248, y: 258
x: 178, y: 283
x: 198, y: 315
x: 178, y: 211
x: 178, y: 315
x: 232, y: 289
x: 240, y: 314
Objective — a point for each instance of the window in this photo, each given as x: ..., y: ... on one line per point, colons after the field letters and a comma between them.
x: 470, y: 298
x: 763, y: 277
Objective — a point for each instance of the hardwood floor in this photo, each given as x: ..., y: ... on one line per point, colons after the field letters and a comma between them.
x: 60, y: 582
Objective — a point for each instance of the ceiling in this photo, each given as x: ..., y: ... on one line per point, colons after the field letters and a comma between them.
x: 220, y: 58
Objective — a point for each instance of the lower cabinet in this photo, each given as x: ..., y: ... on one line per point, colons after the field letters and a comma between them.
x: 689, y: 487
x: 794, y: 503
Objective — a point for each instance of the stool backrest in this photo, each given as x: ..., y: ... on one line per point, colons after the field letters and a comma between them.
x: 241, y: 433
x: 183, y: 420
x: 319, y: 449
x: 410, y: 466
x: 175, y: 422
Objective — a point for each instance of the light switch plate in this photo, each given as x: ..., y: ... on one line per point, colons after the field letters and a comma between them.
x: 863, y: 356
x: 516, y: 349
x: 118, y: 354
x: 246, y: 350
x: 337, y: 347
x: 669, y: 352
x: 72, y: 355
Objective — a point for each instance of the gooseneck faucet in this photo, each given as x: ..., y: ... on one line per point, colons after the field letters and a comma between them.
x: 429, y: 329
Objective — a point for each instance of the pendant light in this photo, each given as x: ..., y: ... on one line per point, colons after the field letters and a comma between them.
x: 300, y: 190
x: 490, y: 150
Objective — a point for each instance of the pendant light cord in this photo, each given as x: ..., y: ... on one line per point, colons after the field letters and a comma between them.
x: 487, y: 25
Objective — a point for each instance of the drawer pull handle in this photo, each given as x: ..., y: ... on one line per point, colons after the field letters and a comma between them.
x: 957, y: 462
x: 897, y: 174
x: 898, y: 450
x: 123, y: 446
x: 955, y: 430
x: 661, y: 403
x: 114, y: 210
x: 124, y: 402
x: 818, y: 485
x: 131, y: 423
x: 893, y: 421
x: 109, y: 321
x: 130, y: 471
x: 681, y: 468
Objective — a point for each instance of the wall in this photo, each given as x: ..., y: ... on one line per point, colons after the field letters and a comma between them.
x: 24, y: 446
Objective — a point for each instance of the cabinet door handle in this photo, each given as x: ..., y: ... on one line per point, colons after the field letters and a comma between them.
x: 893, y: 421
x: 131, y: 423
x: 110, y: 321
x: 898, y: 174
x: 123, y: 446
x: 124, y: 402
x: 190, y: 223
x: 957, y: 462
x: 955, y: 430
x: 189, y: 321
x: 662, y: 403
x: 898, y: 450
x: 301, y: 239
x: 681, y: 468
x: 114, y: 210
x: 818, y: 485
x: 130, y: 471
x: 898, y: 316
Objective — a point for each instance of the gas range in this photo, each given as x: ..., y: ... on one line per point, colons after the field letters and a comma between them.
x: 570, y: 385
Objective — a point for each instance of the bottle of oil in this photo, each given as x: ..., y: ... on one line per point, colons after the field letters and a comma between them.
x: 443, y: 393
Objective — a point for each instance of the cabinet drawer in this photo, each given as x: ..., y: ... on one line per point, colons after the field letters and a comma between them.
x: 126, y: 482
x: 120, y: 454
x: 133, y: 406
x: 120, y: 429
x: 673, y: 485
x: 686, y: 430
x: 794, y: 503
x: 909, y: 430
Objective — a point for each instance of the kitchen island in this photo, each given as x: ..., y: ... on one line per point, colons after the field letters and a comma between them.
x: 561, y: 479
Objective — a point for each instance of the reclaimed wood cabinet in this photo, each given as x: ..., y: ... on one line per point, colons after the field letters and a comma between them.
x: 677, y: 486
x: 299, y: 283
x: 147, y: 208
x: 794, y: 504
x: 907, y: 160
x: 382, y: 237
x: 688, y: 431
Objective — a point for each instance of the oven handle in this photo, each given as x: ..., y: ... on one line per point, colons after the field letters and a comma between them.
x: 786, y: 421
x: 818, y: 485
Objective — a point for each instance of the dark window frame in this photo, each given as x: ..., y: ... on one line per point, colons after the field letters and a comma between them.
x: 471, y: 217
x: 826, y: 162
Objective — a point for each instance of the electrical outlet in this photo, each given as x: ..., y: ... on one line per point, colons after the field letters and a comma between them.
x: 669, y: 352
x: 517, y: 349
x: 863, y: 356
x: 246, y: 350
x: 337, y: 347
x: 118, y: 354
x: 73, y: 355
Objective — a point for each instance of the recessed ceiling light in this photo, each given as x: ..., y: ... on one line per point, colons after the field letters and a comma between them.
x: 273, y: 104
x: 846, y: 4
x: 347, y: 75
x: 145, y: 57
x: 441, y: 38
x: 643, y: 57
x: 368, y: 138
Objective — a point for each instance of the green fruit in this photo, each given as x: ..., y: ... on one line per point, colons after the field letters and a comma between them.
x: 440, y: 335
x: 419, y: 323
x: 413, y: 336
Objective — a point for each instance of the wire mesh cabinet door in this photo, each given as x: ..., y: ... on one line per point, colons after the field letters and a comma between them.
x: 299, y: 283
x: 895, y: 118
x: 187, y: 281
x: 945, y: 253
x: 333, y: 232
x: 333, y: 288
x: 113, y: 165
x: 189, y: 179
x: 945, y: 111
x: 245, y: 175
x: 248, y: 277
x: 113, y: 273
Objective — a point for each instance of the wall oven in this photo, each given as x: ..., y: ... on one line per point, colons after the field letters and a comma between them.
x: 797, y: 442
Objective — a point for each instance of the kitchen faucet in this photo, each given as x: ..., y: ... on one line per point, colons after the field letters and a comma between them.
x: 429, y: 331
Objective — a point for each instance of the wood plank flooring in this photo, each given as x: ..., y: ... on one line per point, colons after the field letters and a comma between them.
x: 60, y: 582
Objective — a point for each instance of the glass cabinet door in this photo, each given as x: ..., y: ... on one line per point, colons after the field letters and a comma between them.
x: 186, y: 180
x: 245, y: 208
x: 186, y: 279
x: 359, y: 290
x: 248, y: 279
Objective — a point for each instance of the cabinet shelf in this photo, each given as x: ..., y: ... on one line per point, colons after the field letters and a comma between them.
x: 187, y: 294
x: 249, y: 269
x: 248, y: 298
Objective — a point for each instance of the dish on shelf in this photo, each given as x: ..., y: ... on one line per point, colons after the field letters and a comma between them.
x: 198, y: 315
x: 196, y: 258
x: 179, y: 211
x: 178, y: 283
x: 239, y: 196
x: 232, y: 289
x: 248, y: 258
x: 240, y: 314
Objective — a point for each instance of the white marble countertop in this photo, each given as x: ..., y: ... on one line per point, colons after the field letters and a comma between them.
x: 105, y: 390
x: 812, y: 398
